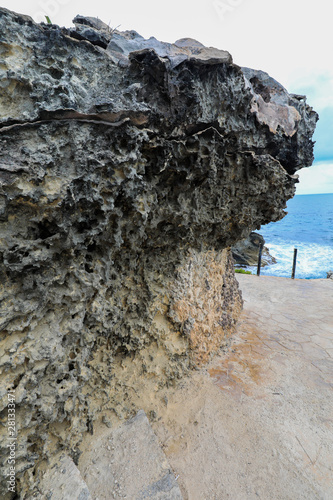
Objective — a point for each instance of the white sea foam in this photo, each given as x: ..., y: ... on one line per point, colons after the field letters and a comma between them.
x: 313, y: 260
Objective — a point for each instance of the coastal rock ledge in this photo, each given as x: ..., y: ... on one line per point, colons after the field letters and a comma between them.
x: 128, y: 168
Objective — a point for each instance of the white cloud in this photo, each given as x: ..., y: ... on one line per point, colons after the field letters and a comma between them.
x: 316, y: 179
x: 318, y: 87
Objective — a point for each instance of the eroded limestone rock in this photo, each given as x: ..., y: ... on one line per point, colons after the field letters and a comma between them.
x: 124, y: 180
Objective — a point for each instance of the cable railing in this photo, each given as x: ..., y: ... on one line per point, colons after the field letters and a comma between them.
x: 293, y: 271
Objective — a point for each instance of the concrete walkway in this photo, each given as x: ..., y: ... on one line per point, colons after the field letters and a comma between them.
x: 282, y: 319
x: 258, y: 424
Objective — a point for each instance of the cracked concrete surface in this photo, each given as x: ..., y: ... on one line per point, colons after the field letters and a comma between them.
x: 282, y: 319
x: 258, y: 422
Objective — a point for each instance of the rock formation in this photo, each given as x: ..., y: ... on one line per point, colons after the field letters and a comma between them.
x: 245, y: 252
x: 128, y: 167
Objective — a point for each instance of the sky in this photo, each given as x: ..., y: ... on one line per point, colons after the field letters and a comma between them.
x: 289, y: 39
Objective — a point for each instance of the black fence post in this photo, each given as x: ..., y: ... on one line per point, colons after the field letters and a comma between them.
x: 294, y: 264
x: 259, y: 258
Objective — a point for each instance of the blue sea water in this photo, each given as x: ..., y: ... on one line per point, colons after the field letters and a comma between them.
x: 308, y: 227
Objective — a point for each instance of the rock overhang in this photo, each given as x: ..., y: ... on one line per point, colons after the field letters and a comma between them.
x: 125, y: 177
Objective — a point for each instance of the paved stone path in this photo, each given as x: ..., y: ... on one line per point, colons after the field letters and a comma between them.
x: 258, y: 424
x: 282, y: 318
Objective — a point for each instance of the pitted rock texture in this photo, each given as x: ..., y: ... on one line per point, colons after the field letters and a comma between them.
x: 127, y: 170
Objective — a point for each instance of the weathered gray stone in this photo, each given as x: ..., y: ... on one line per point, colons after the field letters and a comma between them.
x: 92, y: 22
x: 63, y: 481
x: 182, y: 50
x: 125, y: 177
x: 163, y: 489
x: 128, y: 462
x: 91, y: 35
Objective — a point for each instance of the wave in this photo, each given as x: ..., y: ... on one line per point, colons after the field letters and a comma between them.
x: 313, y: 260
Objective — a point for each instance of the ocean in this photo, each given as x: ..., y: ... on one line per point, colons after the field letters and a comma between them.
x: 308, y: 227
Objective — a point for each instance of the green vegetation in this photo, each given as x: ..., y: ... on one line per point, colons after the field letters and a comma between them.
x: 242, y: 271
x: 48, y: 20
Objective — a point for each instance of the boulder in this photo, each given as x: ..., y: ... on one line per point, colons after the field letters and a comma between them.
x: 63, y: 480
x: 128, y: 462
x: 245, y: 252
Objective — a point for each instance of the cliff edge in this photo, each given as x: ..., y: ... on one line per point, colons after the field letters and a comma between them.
x: 128, y: 167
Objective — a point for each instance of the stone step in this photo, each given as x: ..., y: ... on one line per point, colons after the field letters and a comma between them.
x: 125, y: 463
x: 128, y: 463
x: 63, y: 481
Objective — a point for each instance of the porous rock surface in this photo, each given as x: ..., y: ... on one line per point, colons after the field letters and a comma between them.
x: 128, y: 167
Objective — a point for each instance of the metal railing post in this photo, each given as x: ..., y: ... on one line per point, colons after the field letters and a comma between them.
x: 294, y: 264
x: 259, y: 258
